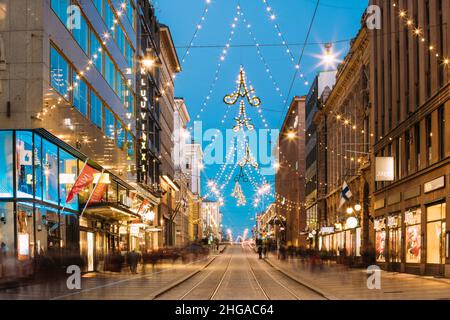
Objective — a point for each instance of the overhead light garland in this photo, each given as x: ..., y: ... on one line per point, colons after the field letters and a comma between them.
x: 222, y: 57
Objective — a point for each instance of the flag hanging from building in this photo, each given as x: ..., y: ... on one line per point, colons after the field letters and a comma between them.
x: 98, y: 193
x: 346, y: 194
x: 85, y: 178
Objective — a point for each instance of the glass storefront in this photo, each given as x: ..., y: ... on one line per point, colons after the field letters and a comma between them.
x: 436, y: 234
x: 380, y: 239
x: 25, y: 231
x: 413, y: 237
x: 395, y: 236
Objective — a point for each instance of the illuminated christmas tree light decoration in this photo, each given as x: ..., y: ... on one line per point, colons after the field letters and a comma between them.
x: 248, y: 159
x: 242, y: 120
x: 243, y: 92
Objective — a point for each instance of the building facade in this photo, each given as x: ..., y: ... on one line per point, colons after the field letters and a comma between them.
x: 194, y: 167
x: 170, y: 204
x: 324, y: 81
x: 345, y: 114
x: 72, y: 71
x: 411, y: 145
x: 289, y: 178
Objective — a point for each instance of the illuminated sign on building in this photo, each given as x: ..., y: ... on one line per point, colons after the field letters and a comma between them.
x: 142, y: 127
x: 384, y: 169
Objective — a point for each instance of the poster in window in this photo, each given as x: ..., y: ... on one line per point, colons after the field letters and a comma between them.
x: 380, y: 245
x: 413, y: 244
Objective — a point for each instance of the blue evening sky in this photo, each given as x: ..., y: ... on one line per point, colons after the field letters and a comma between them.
x: 336, y: 20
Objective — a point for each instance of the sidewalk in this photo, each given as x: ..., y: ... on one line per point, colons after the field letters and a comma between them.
x: 109, y: 285
x: 340, y: 282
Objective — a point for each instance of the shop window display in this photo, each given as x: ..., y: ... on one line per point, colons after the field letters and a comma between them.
x: 6, y: 164
x: 37, y: 167
x: 48, y: 230
x: 50, y: 172
x: 436, y: 234
x: 380, y: 240
x: 25, y: 231
x: 67, y: 176
x: 413, y: 236
x: 7, y: 226
x: 24, y: 164
x: 395, y: 235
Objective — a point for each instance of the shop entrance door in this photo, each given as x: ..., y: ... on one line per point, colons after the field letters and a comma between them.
x: 435, y: 239
x: 90, y: 251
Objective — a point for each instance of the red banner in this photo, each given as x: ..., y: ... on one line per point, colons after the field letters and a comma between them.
x: 98, y: 193
x: 143, y: 206
x: 85, y: 178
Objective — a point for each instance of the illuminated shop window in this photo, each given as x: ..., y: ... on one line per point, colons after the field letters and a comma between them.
x: 7, y: 225
x: 436, y: 234
x: 59, y: 72
x: 413, y: 239
x: 6, y: 165
x: 38, y: 167
x: 24, y: 165
x: 25, y: 231
x: 48, y: 230
x: 50, y: 172
x: 67, y: 176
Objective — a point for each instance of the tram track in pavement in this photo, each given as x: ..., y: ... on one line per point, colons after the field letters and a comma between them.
x: 296, y: 283
x: 209, y: 274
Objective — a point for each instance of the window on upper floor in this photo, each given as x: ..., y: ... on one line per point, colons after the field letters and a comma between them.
x: 59, y: 72
x: 96, y: 51
x: 80, y: 96
x: 60, y: 7
x: 81, y: 34
x: 96, y: 110
x: 110, y: 121
x: 110, y: 71
x: 120, y: 135
x: 99, y: 5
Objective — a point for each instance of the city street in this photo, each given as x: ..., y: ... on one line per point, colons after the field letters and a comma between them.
x: 239, y: 275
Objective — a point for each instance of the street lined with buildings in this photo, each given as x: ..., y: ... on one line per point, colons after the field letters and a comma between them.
x: 102, y: 164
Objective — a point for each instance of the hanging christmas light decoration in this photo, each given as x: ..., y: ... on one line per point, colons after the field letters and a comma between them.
x: 242, y: 120
x: 248, y: 159
x: 243, y: 92
x: 239, y: 195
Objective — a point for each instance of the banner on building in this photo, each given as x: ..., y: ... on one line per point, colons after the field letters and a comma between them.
x: 85, y: 178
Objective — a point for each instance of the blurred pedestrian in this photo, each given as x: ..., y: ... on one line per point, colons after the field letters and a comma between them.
x: 264, y: 250
x: 260, y: 249
x: 133, y: 260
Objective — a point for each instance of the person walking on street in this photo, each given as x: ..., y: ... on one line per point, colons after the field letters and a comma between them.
x: 133, y: 260
x: 264, y: 250
x: 260, y: 249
